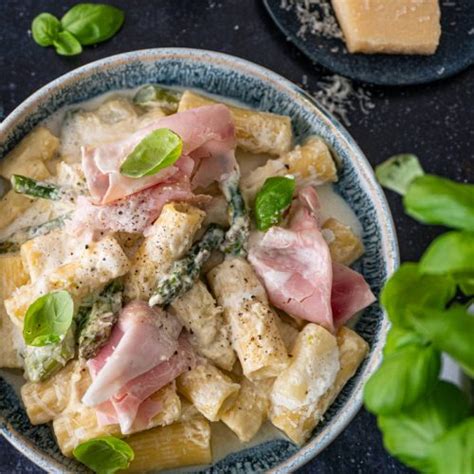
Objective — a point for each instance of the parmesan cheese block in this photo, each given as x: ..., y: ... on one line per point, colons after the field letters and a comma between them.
x: 393, y: 27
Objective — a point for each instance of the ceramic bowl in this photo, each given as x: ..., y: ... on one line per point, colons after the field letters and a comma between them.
x: 260, y: 88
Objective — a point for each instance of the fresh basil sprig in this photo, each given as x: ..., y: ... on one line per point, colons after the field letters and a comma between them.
x: 398, y: 172
x: 428, y: 423
x: 48, y: 319
x: 45, y: 29
x: 84, y: 24
x: 410, y: 434
x: 454, y: 451
x: 402, y: 379
x: 451, y: 254
x: 66, y: 44
x: 104, y: 455
x: 158, y: 150
x: 434, y: 200
x: 408, y: 287
x: 92, y: 23
x: 272, y: 201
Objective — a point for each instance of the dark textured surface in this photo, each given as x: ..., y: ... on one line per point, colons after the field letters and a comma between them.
x: 433, y: 121
x: 454, y: 53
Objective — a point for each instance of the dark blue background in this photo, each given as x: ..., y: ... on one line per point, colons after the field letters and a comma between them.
x: 434, y: 121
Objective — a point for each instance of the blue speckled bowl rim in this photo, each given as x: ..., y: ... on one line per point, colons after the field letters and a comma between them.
x: 389, y: 244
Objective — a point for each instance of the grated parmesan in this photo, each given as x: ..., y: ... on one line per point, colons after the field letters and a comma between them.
x: 338, y: 95
x: 315, y: 16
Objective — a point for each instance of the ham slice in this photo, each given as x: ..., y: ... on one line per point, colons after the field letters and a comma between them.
x: 296, y: 269
x: 214, y: 168
x: 205, y: 131
x: 134, y: 213
x: 295, y: 264
x: 131, y: 406
x: 350, y: 294
x: 142, y: 338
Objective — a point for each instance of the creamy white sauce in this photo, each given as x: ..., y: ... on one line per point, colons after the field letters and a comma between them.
x: 224, y: 441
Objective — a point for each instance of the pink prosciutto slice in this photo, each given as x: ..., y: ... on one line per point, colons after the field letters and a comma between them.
x: 295, y: 264
x: 131, y: 406
x: 134, y: 213
x: 142, y: 338
x: 350, y: 294
x: 214, y: 168
x: 205, y: 131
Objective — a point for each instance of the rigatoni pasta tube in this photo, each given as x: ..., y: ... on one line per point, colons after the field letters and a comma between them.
x: 12, y: 276
x: 298, y: 389
x: 38, y: 146
x: 185, y: 443
x: 26, y: 159
x: 45, y: 401
x: 352, y: 351
x: 308, y: 163
x: 344, y: 245
x: 78, y: 423
x: 208, y: 389
x: 45, y: 253
x: 199, y: 313
x: 254, y: 330
x: 250, y: 409
x: 298, y: 423
x: 257, y: 132
x: 169, y: 238
x: 100, y: 262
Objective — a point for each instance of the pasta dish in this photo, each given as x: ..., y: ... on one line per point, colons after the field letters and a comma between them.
x: 171, y: 262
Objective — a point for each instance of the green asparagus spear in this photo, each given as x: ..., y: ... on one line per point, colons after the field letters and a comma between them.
x: 236, y: 237
x: 34, y: 188
x: 97, y: 320
x: 13, y: 242
x: 43, y: 362
x: 184, y: 272
x: 155, y: 96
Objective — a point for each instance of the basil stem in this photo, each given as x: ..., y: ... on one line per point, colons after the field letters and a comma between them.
x: 185, y: 272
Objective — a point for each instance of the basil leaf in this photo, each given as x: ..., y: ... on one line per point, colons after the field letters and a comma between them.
x: 398, y: 172
x: 454, y: 452
x: 410, y: 434
x: 104, y: 455
x: 159, y: 149
x: 451, y: 253
x: 66, y: 44
x: 92, y: 23
x: 398, y: 338
x: 450, y: 331
x: 402, y: 379
x: 45, y: 28
x: 48, y: 319
x: 466, y: 283
x: 272, y: 200
x: 153, y: 95
x: 407, y: 287
x: 435, y: 200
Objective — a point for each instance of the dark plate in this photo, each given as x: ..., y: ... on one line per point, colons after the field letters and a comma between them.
x: 455, y: 52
